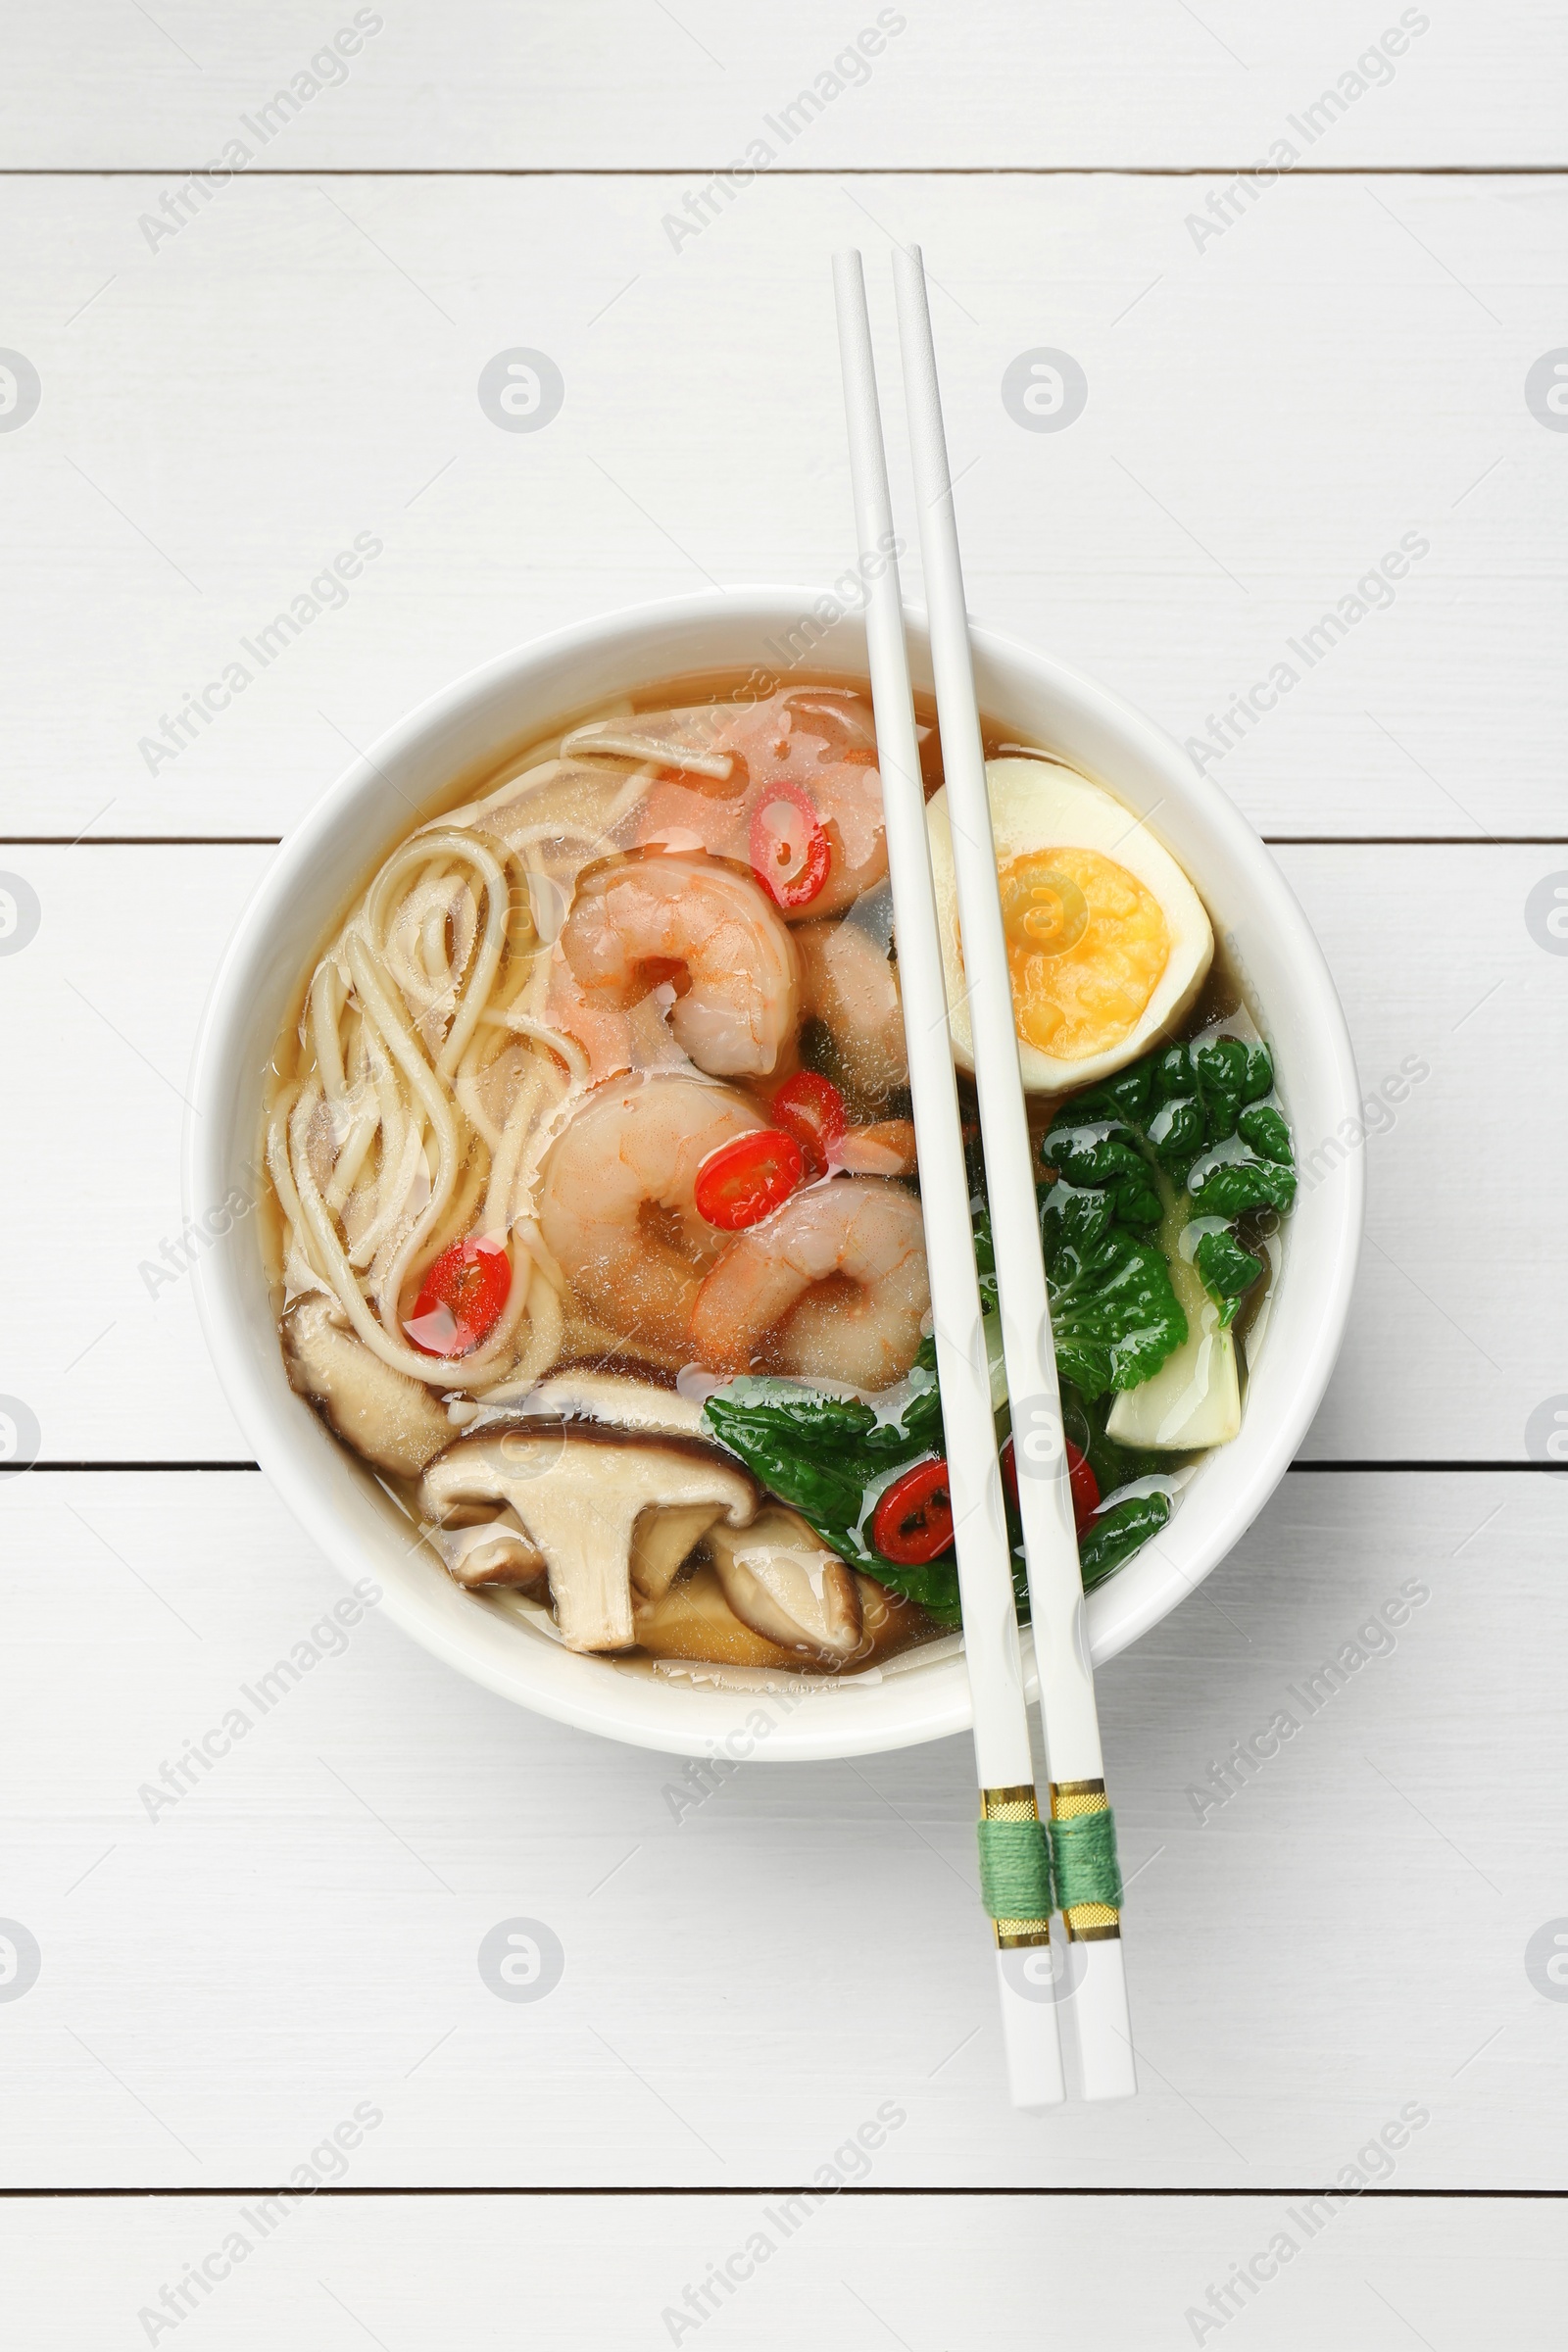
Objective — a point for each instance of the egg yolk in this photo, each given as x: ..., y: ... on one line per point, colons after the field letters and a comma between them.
x: 1086, y: 945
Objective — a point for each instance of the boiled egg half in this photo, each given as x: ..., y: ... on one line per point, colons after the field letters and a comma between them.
x: 1107, y: 940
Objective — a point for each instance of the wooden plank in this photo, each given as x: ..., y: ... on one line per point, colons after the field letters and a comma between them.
x: 1451, y: 1342
x: 106, y: 1350
x: 615, y: 85
x: 1336, y: 375
x: 229, y: 1969
x: 841, y: 2274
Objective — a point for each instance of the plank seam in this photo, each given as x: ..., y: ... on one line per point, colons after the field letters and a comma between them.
x: 790, y: 171
x: 767, y: 2188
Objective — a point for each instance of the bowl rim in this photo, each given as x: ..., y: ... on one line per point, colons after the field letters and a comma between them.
x: 616, y: 1704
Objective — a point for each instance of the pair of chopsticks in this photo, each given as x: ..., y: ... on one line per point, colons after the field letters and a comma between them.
x: 1026, y: 1870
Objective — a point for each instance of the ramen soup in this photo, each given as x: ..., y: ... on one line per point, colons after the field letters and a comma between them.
x: 596, y: 1219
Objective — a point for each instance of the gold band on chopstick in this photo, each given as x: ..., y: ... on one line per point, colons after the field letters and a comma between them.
x: 1086, y: 1876
x: 1010, y: 1804
x: 1014, y: 1866
x: 1071, y: 1798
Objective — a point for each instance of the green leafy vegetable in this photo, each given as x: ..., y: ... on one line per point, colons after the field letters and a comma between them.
x: 1184, y: 1134
x: 1228, y: 1271
x: 1113, y: 1311
x: 1115, y: 1535
x: 935, y: 1586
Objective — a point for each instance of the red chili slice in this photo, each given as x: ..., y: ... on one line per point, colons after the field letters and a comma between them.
x: 790, y: 853
x: 460, y: 1297
x: 1080, y: 1478
x: 746, y: 1180
x: 913, y: 1522
x: 811, y: 1107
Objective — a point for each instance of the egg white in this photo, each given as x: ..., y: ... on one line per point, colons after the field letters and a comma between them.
x: 1042, y: 804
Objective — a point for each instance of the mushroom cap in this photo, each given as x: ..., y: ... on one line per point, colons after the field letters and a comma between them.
x: 584, y: 1392
x: 590, y: 1499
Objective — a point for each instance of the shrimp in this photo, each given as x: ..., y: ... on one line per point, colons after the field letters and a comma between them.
x: 833, y: 1286
x: 811, y: 740
x: 616, y: 1208
x: 886, y: 1149
x: 657, y: 920
x: 852, y: 987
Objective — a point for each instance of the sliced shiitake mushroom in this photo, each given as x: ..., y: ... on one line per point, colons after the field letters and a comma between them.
x: 592, y: 1500
x: 585, y: 1392
x: 780, y: 1579
x: 393, y: 1421
x: 485, y: 1553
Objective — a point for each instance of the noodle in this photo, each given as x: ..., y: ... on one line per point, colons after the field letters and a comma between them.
x: 428, y: 1086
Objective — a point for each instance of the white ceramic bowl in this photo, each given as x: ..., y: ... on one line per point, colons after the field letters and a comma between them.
x: 517, y: 699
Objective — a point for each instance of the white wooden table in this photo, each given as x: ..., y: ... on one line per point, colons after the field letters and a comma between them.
x: 237, y: 378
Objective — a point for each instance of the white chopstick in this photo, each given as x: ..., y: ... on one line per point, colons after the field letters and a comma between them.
x: 1002, y: 1759
x: 1095, y: 1991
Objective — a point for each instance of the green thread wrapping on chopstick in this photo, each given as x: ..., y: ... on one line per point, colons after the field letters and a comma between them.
x: 1083, y: 1856
x: 1014, y: 1869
